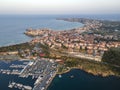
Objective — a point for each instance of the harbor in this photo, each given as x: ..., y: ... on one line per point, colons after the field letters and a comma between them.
x: 41, y: 70
x: 14, y: 68
x: 40, y: 73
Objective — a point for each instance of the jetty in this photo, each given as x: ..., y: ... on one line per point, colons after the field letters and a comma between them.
x: 43, y: 82
x: 19, y: 86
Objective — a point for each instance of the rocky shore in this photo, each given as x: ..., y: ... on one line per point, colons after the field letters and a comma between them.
x: 95, y: 68
x: 96, y: 73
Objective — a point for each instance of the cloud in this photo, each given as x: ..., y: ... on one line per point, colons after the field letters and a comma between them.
x: 59, y: 6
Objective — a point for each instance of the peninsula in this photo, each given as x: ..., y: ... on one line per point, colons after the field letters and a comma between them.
x: 82, y: 47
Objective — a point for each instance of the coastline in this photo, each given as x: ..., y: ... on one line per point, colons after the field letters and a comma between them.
x: 102, y: 75
x: 91, y: 67
x: 89, y: 71
x: 89, y: 25
x: 81, y: 68
x: 78, y: 79
x: 76, y: 68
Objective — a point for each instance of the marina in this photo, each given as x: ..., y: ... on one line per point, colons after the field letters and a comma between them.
x: 14, y: 68
x: 42, y: 71
x: 13, y: 72
x: 10, y: 74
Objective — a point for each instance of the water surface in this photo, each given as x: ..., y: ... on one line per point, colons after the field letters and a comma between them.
x: 79, y: 80
x: 12, y: 27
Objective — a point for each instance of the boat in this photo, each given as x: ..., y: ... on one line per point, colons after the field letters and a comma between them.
x: 10, y: 85
x: 72, y: 76
x: 42, y: 88
x: 38, y: 80
x: 60, y: 76
x: 19, y: 86
x: 27, y: 87
x: 33, y: 77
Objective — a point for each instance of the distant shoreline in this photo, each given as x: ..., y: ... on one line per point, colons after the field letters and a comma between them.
x: 84, y: 21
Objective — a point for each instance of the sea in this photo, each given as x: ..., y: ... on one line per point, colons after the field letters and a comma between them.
x: 12, y: 28
x: 77, y: 79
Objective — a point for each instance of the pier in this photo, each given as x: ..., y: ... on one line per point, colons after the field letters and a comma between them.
x: 19, y: 86
x: 43, y: 82
x: 25, y: 68
x: 13, y: 72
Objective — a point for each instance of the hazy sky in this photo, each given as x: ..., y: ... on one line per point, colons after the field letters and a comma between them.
x: 59, y: 6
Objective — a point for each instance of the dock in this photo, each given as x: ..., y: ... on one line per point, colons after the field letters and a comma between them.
x: 19, y: 86
x: 42, y: 70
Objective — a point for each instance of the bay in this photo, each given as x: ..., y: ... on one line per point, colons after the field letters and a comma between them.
x: 12, y: 27
x: 79, y: 80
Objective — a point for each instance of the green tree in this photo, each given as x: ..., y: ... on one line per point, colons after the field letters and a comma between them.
x: 112, y: 56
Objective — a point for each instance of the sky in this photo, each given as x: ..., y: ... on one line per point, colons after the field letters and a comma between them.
x: 59, y: 6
